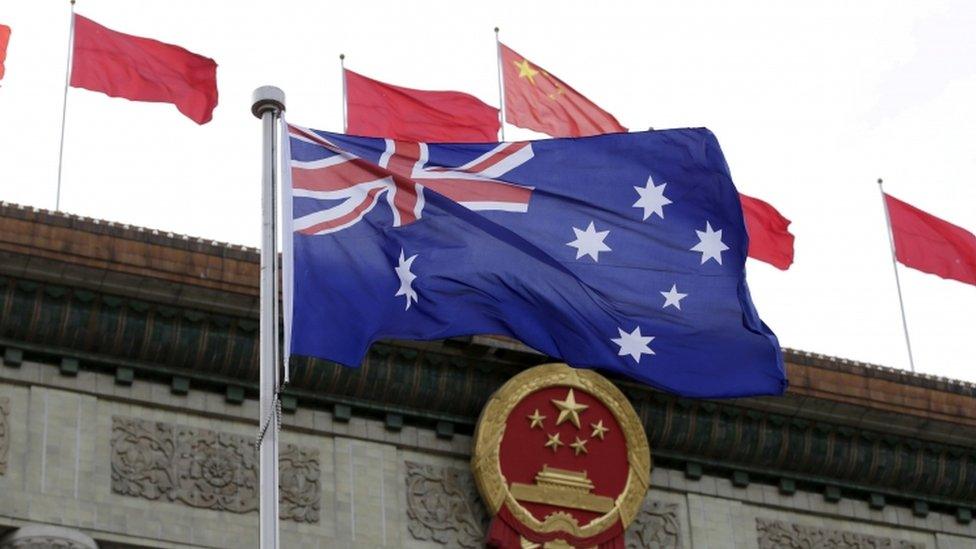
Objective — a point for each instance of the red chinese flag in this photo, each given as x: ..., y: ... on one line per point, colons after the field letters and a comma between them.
x: 539, y: 101
x: 378, y: 109
x: 142, y: 69
x: 4, y: 39
x: 769, y: 237
x: 930, y: 244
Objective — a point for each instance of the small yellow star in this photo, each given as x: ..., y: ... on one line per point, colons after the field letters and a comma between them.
x: 526, y: 70
x: 554, y: 442
x: 598, y: 430
x: 579, y: 446
x: 536, y: 419
x: 569, y: 409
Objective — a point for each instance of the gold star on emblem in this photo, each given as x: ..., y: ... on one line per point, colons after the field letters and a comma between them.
x: 526, y: 70
x: 569, y: 409
x: 536, y: 419
x: 579, y: 446
x: 554, y: 442
x: 598, y: 430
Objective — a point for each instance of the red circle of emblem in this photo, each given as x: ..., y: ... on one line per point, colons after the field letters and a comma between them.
x: 561, y: 459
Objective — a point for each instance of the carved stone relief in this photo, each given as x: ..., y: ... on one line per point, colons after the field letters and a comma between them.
x: 4, y: 433
x: 776, y: 534
x: 208, y: 469
x: 46, y: 536
x: 656, y: 526
x: 443, y: 506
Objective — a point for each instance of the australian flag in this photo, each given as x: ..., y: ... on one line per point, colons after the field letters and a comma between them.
x: 624, y: 252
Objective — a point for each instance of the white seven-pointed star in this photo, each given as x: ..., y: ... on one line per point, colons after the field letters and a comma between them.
x: 652, y: 199
x: 406, y: 278
x: 710, y: 244
x: 633, y: 344
x: 589, y: 242
x: 673, y: 297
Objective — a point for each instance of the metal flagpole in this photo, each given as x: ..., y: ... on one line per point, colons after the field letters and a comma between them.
x: 894, y: 264
x: 64, y: 103
x: 345, y: 98
x: 268, y: 104
x: 501, y: 85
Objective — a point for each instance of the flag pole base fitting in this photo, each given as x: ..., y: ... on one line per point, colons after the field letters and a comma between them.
x: 267, y: 98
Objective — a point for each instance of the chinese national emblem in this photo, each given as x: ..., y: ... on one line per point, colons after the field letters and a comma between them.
x: 561, y: 460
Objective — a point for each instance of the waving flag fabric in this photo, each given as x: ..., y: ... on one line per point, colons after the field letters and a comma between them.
x: 770, y: 239
x: 4, y: 40
x: 379, y: 109
x: 623, y: 252
x: 539, y: 101
x: 930, y: 244
x: 142, y: 69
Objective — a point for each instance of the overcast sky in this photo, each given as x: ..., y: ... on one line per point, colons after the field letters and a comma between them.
x: 811, y: 105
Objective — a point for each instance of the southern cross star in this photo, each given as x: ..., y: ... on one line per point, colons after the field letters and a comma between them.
x: 406, y: 278
x: 710, y: 244
x: 634, y: 344
x: 673, y: 298
x: 589, y: 242
x: 652, y: 199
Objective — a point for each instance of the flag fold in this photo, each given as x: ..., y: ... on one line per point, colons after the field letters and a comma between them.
x: 378, y: 109
x: 770, y: 239
x: 143, y: 69
x: 930, y: 244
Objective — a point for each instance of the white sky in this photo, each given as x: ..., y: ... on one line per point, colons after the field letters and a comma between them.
x: 811, y: 104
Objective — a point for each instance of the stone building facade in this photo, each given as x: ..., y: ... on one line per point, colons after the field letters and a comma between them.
x: 128, y: 413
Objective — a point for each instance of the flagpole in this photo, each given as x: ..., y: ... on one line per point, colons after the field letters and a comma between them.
x: 268, y: 104
x: 894, y: 265
x: 501, y: 85
x: 64, y: 102
x: 345, y: 98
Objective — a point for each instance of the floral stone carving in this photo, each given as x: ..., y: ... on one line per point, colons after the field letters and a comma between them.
x: 443, y: 506
x: 208, y: 469
x: 656, y: 526
x: 776, y: 534
x: 4, y: 433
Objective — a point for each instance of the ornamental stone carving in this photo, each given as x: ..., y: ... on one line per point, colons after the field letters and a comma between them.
x: 776, y: 534
x: 46, y: 536
x: 443, y: 506
x: 207, y: 469
x: 4, y: 433
x: 655, y: 527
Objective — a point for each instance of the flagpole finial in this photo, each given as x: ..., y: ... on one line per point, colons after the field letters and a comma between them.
x: 267, y: 98
x: 880, y: 181
x: 496, y: 28
x: 342, y: 57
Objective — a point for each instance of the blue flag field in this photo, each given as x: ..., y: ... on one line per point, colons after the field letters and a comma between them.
x: 623, y: 252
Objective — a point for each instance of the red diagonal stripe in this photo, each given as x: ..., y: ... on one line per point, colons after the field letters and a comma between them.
x: 349, y: 217
x: 473, y: 190
x: 332, y: 178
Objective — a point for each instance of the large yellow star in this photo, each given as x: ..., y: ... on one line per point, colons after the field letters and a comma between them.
x: 526, y: 70
x: 554, y: 442
x: 536, y: 419
x: 569, y: 409
x: 598, y: 429
x: 579, y: 446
